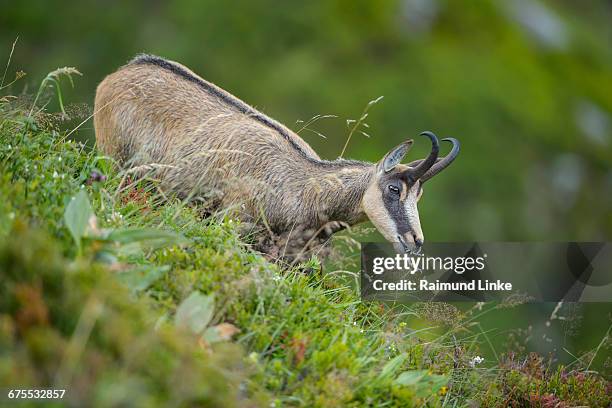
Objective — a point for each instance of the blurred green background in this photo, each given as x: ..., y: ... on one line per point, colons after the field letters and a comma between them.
x: 526, y: 86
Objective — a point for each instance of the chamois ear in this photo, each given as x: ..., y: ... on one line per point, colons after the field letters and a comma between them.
x: 395, y: 156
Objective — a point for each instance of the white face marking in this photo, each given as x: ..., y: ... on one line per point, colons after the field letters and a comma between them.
x: 376, y: 211
x: 412, y: 213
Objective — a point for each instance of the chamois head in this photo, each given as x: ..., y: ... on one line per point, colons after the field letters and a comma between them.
x: 390, y: 201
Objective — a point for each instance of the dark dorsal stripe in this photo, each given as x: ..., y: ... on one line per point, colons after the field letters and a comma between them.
x: 236, y: 103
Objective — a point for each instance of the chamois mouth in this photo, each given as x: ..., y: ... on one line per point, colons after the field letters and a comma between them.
x: 404, y: 247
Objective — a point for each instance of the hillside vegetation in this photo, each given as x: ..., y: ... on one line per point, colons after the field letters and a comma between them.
x: 124, y: 297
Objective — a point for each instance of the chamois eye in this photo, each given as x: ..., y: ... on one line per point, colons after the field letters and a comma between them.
x: 394, y: 189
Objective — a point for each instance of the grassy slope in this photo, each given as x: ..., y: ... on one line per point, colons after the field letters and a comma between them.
x: 83, y: 319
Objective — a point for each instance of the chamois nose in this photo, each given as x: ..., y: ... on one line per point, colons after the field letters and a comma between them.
x: 417, y: 241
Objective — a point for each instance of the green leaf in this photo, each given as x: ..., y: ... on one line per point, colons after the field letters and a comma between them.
x: 77, y: 216
x: 393, y: 365
x: 140, y: 278
x: 151, y: 237
x: 195, y: 312
x: 435, y: 381
x: 411, y: 377
x: 211, y: 335
x: 106, y: 257
x: 424, y: 382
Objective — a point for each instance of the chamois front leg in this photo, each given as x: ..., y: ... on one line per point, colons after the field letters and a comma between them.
x: 314, y: 241
x: 308, y: 238
x: 331, y: 227
x: 300, y: 242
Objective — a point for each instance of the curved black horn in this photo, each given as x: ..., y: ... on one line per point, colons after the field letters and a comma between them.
x: 445, y: 161
x: 422, y: 168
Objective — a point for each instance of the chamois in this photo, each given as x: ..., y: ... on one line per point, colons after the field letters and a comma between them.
x: 204, y: 141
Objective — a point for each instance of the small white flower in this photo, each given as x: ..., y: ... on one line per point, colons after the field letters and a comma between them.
x: 475, y: 361
x: 55, y: 175
x: 59, y: 159
x: 11, y: 215
x: 115, y: 216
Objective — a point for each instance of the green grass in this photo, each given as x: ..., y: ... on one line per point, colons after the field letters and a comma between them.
x: 124, y: 298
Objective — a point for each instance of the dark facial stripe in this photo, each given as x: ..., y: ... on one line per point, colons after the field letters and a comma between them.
x: 395, y: 208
